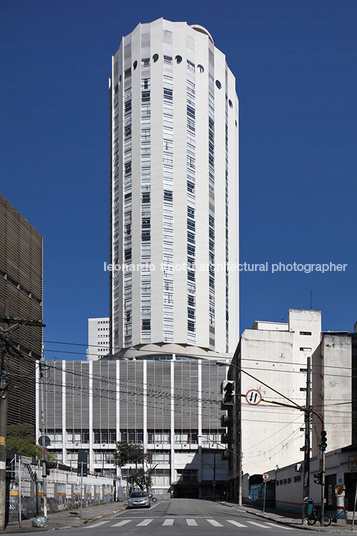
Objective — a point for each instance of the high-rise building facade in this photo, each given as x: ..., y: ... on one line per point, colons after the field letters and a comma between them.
x: 98, y: 338
x: 174, y: 193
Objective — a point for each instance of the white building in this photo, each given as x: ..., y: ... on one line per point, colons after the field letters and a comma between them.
x: 273, y: 359
x: 171, y: 407
x: 275, y: 354
x: 98, y: 338
x: 174, y: 194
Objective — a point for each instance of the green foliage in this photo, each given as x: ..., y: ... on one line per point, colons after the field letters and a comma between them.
x: 21, y: 439
x: 134, y: 454
x: 129, y: 453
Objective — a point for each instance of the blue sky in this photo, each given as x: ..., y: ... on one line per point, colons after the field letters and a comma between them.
x: 295, y: 64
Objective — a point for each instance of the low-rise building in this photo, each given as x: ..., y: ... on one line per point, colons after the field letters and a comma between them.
x: 169, y: 404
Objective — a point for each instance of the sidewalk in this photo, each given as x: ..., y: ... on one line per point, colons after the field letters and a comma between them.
x: 294, y: 520
x: 67, y: 518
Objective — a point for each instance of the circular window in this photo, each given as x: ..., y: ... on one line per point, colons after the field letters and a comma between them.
x: 201, y: 68
x: 218, y: 84
x: 135, y: 64
x: 155, y: 57
x: 178, y: 59
x: 230, y: 103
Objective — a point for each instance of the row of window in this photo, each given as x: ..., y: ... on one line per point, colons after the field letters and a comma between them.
x: 168, y: 60
x: 168, y: 314
x: 133, y: 436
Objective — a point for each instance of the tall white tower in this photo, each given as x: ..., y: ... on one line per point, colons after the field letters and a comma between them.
x: 174, y: 193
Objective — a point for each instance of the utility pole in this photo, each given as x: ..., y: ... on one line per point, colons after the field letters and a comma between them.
x: 3, y: 433
x: 306, y: 477
x: 44, y: 449
x: 7, y: 346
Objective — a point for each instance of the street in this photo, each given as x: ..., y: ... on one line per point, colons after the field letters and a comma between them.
x: 183, y: 517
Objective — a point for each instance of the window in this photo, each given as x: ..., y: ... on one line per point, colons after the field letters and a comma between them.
x: 190, y: 325
x: 191, y: 224
x: 168, y: 195
x: 146, y: 325
x: 218, y: 84
x: 178, y: 59
x: 168, y: 93
x: 200, y: 68
x: 190, y: 186
x: 305, y: 333
x: 155, y: 57
x: 190, y: 111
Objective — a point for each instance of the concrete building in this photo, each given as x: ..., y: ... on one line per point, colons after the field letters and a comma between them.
x: 174, y: 194
x: 269, y: 435
x: 169, y: 406
x: 98, y: 338
x: 20, y: 299
x: 275, y: 354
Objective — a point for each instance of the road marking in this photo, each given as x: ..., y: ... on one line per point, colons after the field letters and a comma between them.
x: 168, y: 522
x: 280, y: 526
x: 144, y: 523
x: 121, y: 523
x: 259, y: 525
x: 236, y: 523
x: 214, y: 523
x: 97, y: 524
x: 203, y: 511
x: 191, y: 522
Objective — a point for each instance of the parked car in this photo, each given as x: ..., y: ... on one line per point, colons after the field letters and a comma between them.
x: 138, y: 499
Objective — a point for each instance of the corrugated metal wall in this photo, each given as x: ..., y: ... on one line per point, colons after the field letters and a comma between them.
x: 21, y: 297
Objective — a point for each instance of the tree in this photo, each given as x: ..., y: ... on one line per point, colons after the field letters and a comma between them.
x: 130, y: 453
x: 21, y: 439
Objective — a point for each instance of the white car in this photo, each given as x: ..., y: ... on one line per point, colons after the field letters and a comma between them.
x: 139, y: 499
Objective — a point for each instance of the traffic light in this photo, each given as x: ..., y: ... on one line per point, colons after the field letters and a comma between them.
x: 318, y: 478
x: 323, y: 439
x: 228, y: 392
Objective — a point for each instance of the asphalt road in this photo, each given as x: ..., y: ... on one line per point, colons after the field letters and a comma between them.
x: 182, y: 517
x: 178, y: 517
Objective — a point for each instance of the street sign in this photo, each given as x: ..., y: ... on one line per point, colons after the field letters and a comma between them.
x: 265, y: 477
x: 46, y: 440
x: 253, y: 397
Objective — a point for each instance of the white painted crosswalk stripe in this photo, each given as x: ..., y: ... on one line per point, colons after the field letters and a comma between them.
x: 191, y: 522
x: 121, y: 523
x: 236, y: 524
x: 214, y: 523
x: 98, y: 524
x: 280, y: 526
x: 259, y: 525
x: 144, y: 523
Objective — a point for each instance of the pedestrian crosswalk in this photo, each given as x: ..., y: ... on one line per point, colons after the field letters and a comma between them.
x: 189, y: 522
